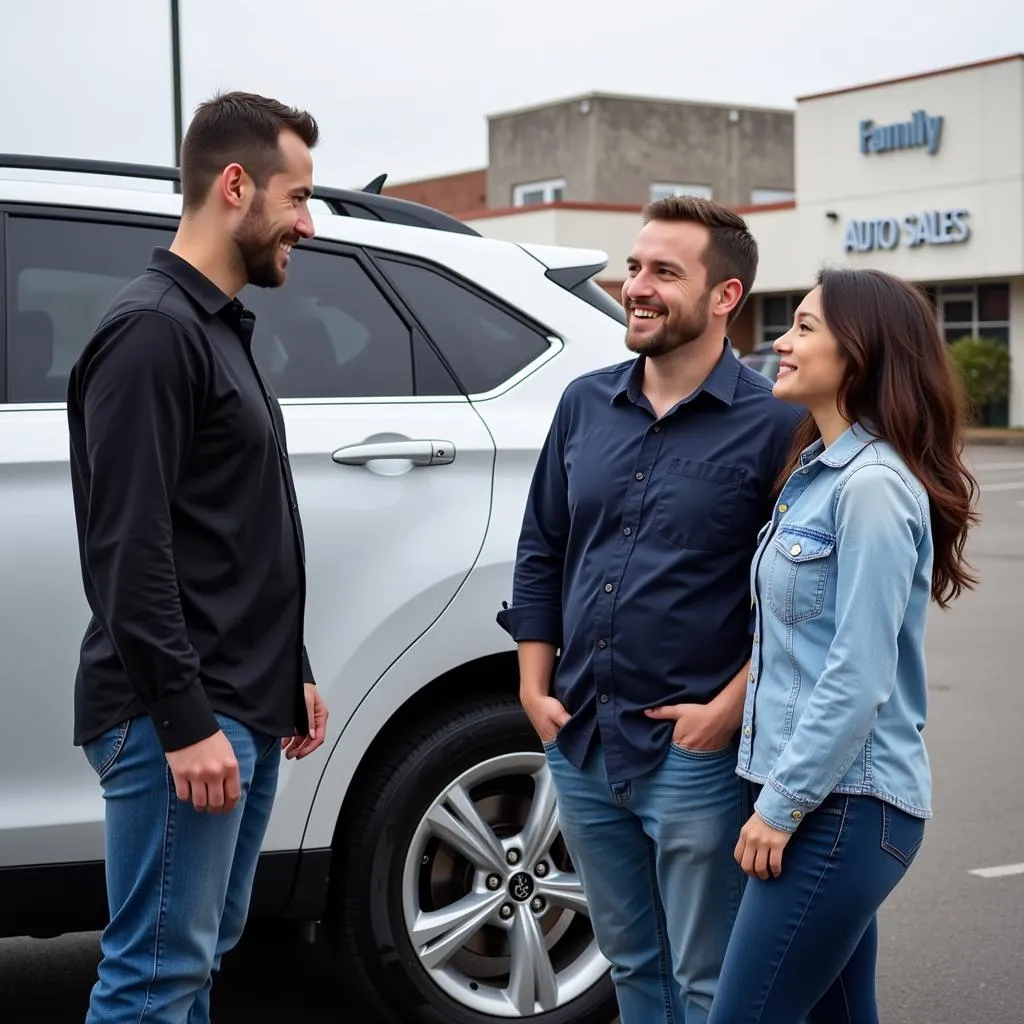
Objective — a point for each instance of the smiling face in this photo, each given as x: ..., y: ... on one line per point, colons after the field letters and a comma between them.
x: 812, y: 365
x: 666, y: 294
x: 278, y: 216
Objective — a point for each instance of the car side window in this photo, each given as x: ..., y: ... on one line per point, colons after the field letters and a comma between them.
x: 62, y: 275
x: 330, y: 332
x: 484, y: 344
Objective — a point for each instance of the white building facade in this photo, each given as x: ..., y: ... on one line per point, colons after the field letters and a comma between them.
x: 922, y: 177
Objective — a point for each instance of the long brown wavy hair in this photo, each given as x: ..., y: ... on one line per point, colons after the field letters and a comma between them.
x: 901, y: 385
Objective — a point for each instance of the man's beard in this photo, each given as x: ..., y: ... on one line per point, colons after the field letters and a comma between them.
x: 258, y: 247
x: 683, y: 329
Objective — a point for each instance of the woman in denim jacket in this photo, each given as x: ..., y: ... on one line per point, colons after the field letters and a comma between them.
x: 869, y: 526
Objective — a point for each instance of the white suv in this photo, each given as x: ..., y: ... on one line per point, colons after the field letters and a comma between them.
x: 418, y: 365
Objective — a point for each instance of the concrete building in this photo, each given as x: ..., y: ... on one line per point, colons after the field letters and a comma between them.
x: 921, y: 176
x: 602, y: 148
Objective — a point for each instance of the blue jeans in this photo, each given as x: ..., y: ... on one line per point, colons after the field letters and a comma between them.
x: 804, y: 944
x: 655, y: 859
x: 178, y: 881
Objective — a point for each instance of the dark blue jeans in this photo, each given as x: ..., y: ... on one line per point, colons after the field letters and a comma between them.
x: 655, y: 859
x: 178, y: 881
x: 804, y: 944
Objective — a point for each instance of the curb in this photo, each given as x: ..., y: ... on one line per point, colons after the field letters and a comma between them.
x: 994, y: 436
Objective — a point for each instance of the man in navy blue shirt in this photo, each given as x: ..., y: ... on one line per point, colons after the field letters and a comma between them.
x: 633, y: 563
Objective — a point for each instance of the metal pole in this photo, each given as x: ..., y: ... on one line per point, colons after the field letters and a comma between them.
x: 176, y: 76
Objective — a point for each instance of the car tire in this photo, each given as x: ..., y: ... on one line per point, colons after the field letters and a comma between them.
x: 392, y: 869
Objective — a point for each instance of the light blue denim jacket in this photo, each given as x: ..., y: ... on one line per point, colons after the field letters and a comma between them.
x: 841, y: 585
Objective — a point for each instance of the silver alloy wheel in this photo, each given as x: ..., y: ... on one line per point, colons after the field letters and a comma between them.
x: 493, y: 908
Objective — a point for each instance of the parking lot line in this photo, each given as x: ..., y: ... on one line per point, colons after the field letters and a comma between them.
x: 998, y: 872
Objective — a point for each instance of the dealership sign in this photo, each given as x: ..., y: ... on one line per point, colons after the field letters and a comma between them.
x: 933, y: 227
x: 920, y: 130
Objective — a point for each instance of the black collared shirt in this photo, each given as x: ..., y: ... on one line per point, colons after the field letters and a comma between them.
x: 636, y: 546
x: 188, y: 527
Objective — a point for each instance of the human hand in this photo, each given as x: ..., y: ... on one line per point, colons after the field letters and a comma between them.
x: 697, y: 726
x: 299, y: 746
x: 759, y: 850
x: 547, y: 714
x: 207, y: 774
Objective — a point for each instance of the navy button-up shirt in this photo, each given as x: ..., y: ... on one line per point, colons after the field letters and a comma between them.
x: 636, y: 546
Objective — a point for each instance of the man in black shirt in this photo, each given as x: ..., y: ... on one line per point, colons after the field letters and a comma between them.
x: 193, y: 671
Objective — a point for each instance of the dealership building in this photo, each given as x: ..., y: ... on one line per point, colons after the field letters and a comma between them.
x: 922, y: 176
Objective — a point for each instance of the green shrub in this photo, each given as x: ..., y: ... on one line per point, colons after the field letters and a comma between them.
x: 984, y: 366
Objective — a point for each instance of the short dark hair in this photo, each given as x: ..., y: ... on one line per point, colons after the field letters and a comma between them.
x: 731, y: 250
x: 237, y: 127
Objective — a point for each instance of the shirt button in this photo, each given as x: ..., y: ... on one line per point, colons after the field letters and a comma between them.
x: 657, y: 429
x: 746, y: 731
x: 797, y: 815
x: 602, y: 644
x: 783, y: 507
x: 750, y: 678
x: 639, y: 476
x: 795, y: 549
x: 165, y: 724
x: 608, y: 588
x: 603, y: 698
x: 756, y: 638
x: 627, y: 531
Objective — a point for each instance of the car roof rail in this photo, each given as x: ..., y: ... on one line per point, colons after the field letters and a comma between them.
x: 368, y: 203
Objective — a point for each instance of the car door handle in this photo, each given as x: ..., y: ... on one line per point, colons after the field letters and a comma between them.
x: 419, y: 453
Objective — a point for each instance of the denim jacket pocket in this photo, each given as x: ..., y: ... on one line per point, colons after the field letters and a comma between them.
x: 102, y: 751
x: 798, y: 573
x: 902, y: 834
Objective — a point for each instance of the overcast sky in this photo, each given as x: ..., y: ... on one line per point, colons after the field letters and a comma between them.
x: 405, y: 86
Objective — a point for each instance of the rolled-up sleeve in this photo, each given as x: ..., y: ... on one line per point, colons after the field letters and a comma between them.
x: 536, y: 609
x: 879, y: 526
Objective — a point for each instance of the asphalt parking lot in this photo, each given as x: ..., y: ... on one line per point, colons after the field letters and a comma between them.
x: 950, y: 937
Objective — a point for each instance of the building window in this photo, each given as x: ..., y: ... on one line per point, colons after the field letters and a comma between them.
x: 535, y: 193
x: 777, y: 312
x: 761, y: 196
x: 977, y: 311
x: 664, y: 190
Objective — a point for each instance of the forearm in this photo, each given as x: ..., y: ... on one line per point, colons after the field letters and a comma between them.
x: 536, y: 667
x: 728, y: 704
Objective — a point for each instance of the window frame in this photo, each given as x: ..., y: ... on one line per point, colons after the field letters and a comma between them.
x: 40, y: 211
x: 417, y: 336
x: 3, y: 308
x: 790, y: 196
x: 554, y: 340
x: 792, y: 299
x: 361, y: 256
x: 546, y: 185
x: 679, y: 189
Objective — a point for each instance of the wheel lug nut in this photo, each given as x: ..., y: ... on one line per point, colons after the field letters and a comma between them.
x: 541, y: 869
x: 506, y: 911
x: 513, y: 856
x: 493, y: 882
x: 537, y: 904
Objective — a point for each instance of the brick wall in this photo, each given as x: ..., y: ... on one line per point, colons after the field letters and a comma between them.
x: 452, y: 193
